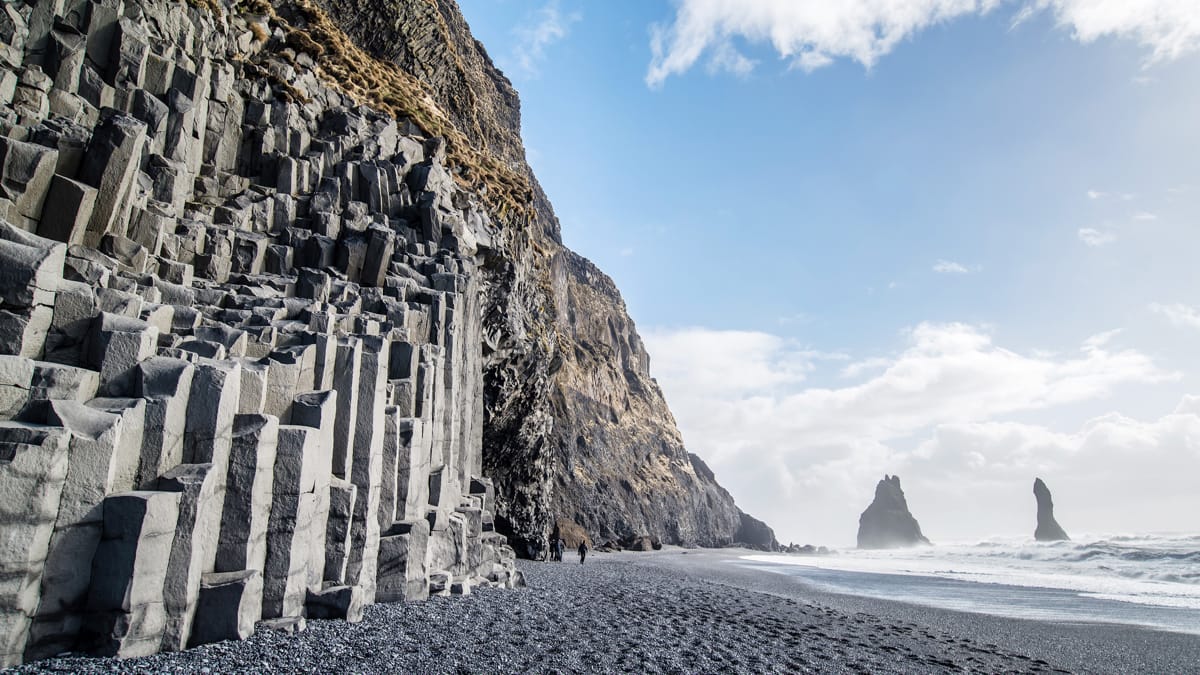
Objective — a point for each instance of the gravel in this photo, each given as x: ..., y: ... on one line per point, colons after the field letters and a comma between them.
x: 624, y: 612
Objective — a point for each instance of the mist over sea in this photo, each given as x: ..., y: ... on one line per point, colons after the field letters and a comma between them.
x: 1148, y: 580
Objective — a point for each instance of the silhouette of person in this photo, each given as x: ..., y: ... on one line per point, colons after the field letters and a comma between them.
x: 583, y: 549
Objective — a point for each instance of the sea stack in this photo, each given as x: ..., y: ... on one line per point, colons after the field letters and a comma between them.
x: 1048, y: 528
x: 887, y: 523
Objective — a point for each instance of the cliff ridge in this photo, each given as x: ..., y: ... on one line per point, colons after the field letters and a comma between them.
x: 576, y: 428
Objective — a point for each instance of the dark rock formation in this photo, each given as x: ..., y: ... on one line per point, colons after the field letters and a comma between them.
x: 887, y: 523
x: 241, y: 374
x: 572, y: 534
x: 1048, y: 528
x: 806, y: 549
x: 754, y: 533
x: 271, y: 309
x: 575, y: 427
x: 641, y: 543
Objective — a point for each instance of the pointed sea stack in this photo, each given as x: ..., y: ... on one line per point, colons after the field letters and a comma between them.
x: 1048, y: 528
x: 887, y: 523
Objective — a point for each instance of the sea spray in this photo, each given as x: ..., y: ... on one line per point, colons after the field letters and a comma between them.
x: 1161, y: 570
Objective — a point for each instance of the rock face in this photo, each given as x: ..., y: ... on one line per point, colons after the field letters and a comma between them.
x: 887, y: 523
x: 241, y: 373
x: 575, y: 428
x: 1048, y: 528
x: 271, y: 308
x: 754, y: 533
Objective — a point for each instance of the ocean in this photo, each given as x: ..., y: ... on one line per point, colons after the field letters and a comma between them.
x: 1144, y: 580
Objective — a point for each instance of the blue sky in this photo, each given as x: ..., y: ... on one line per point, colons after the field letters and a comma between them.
x: 959, y: 246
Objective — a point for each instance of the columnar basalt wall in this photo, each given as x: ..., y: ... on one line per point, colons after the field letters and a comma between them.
x: 576, y: 430
x: 241, y: 329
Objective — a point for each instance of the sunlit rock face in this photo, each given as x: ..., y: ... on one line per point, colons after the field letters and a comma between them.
x: 575, y: 428
x: 287, y: 329
x: 242, y: 378
x: 887, y: 523
x: 1048, y: 528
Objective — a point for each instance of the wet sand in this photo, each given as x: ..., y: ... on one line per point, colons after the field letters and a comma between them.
x: 671, y: 611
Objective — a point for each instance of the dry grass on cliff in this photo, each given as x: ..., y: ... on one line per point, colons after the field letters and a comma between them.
x: 388, y: 88
x: 213, y: 6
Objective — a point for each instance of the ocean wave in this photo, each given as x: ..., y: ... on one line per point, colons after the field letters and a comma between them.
x: 1161, y: 570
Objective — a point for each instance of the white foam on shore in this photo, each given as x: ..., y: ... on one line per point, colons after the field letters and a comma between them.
x: 1153, y: 570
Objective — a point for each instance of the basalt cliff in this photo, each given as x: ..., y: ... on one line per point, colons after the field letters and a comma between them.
x: 287, y: 328
x: 576, y: 429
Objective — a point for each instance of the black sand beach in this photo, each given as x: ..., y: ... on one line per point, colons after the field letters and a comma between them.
x: 671, y: 611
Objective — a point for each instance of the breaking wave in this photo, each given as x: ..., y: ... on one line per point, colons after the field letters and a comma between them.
x: 1155, y: 570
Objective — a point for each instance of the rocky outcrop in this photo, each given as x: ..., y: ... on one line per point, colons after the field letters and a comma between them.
x: 575, y: 428
x: 241, y: 373
x: 887, y: 523
x: 620, y: 467
x: 272, y: 306
x: 754, y: 533
x: 1048, y: 528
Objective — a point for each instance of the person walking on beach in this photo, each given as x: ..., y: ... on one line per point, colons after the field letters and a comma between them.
x: 583, y: 549
x: 562, y: 548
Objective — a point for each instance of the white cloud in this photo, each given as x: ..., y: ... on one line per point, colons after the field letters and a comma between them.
x: 1099, y: 340
x: 806, y: 458
x: 547, y: 26
x: 1168, y: 28
x: 716, y: 362
x: 1113, y: 474
x: 1100, y: 194
x: 727, y: 59
x: 627, y: 252
x: 858, y: 368
x: 1178, y: 314
x: 810, y: 61
x: 1094, y: 237
x: 950, y: 267
x: 811, y: 35
x: 1144, y: 217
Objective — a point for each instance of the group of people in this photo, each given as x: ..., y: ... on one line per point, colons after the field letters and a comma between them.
x: 558, y: 546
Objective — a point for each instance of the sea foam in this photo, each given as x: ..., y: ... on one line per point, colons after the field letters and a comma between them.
x: 1155, y: 570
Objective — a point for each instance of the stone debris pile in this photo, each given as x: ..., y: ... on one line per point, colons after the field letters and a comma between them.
x: 241, y: 328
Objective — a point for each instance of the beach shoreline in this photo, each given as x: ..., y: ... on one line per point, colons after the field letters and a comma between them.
x: 1083, y: 645
x: 675, y: 610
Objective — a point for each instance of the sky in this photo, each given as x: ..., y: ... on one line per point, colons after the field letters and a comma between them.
x: 953, y: 240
